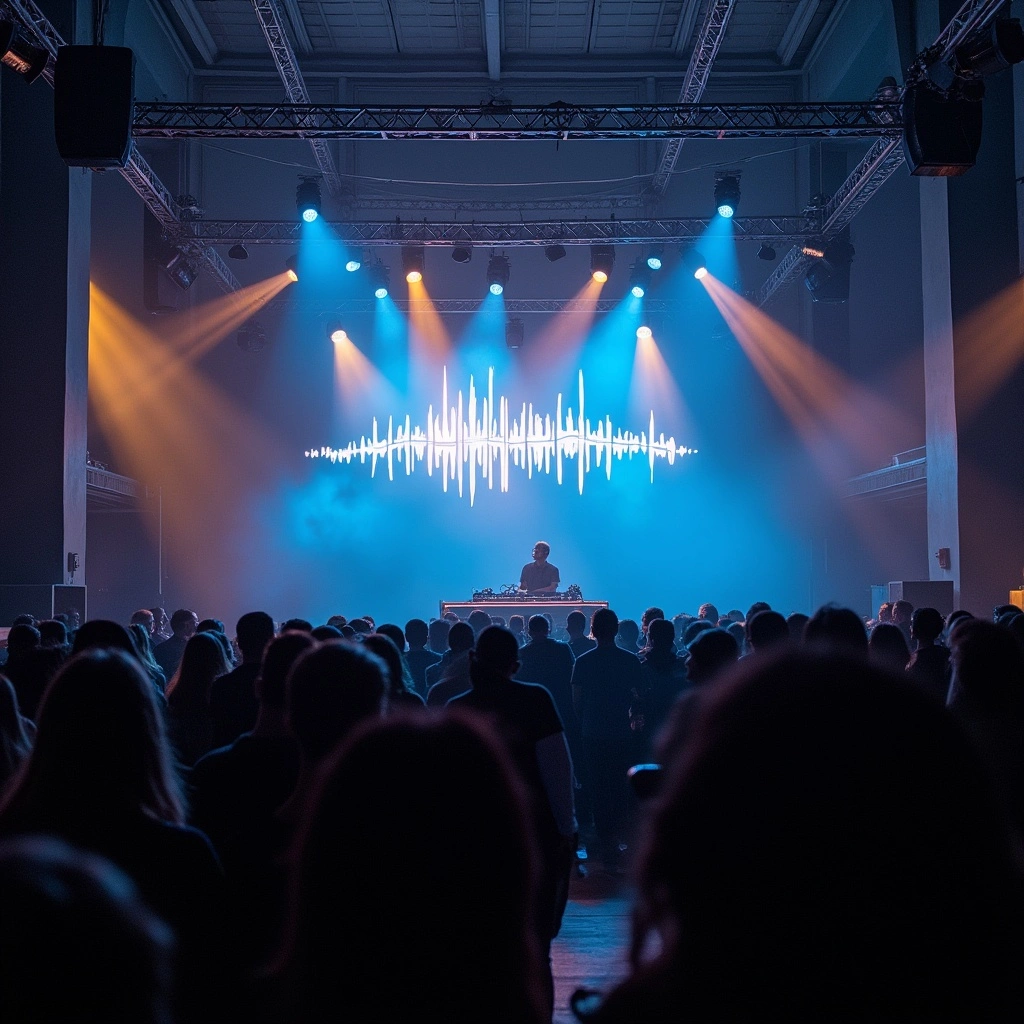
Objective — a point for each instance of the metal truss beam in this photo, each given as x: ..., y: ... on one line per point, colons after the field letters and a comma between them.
x: 515, y: 233
x: 137, y: 173
x: 652, y: 307
x: 973, y: 15
x: 272, y: 21
x: 556, y: 121
x: 519, y: 206
x: 697, y: 73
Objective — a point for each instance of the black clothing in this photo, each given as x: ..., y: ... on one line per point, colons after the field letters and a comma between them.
x: 168, y: 655
x: 549, y: 663
x: 929, y: 668
x: 664, y: 679
x: 233, y: 704
x: 452, y: 679
x: 419, y: 659
x: 581, y: 644
x: 536, y: 575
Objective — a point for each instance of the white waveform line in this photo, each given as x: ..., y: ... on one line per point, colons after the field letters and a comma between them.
x: 477, y: 434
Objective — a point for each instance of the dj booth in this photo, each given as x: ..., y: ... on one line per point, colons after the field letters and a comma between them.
x: 506, y: 607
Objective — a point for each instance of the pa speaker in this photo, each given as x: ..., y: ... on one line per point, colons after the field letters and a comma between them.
x: 93, y: 101
x: 941, y: 136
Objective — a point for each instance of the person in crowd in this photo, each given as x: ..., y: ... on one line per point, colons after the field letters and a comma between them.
x: 693, y: 629
x: 709, y: 613
x: 603, y: 683
x: 76, y: 941
x: 326, y: 632
x: 827, y: 849
x: 16, y: 734
x: 479, y: 620
x: 517, y: 626
x: 189, y: 721
x: 539, y: 576
x: 797, y: 622
x: 161, y: 626
x: 100, y: 777
x: 104, y: 634
x: 902, y: 612
x: 144, y: 652
x: 986, y: 695
x: 929, y: 664
x: 361, y: 627
x: 649, y: 615
x: 465, y: 947
x: 884, y: 613
x: 145, y: 618
x: 450, y: 676
x: 549, y: 663
x: 400, y: 692
x: 236, y: 790
x: 437, y: 638
x: 887, y: 648
x: 629, y: 636
x: 396, y: 634
x: 233, y: 703
x: 420, y: 657
x: 757, y: 606
x: 738, y: 631
x: 576, y: 627
x: 525, y: 717
x: 26, y: 667
x: 952, y: 620
x: 838, y: 629
x: 168, y: 654
x: 764, y: 631
x: 664, y: 679
x: 212, y: 626
x: 53, y: 633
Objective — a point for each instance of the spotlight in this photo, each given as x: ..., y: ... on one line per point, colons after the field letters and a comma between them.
x: 182, y: 270
x: 291, y: 264
x: 238, y: 252
x: 354, y: 264
x: 413, y: 257
x: 828, y: 280
x: 337, y: 333
x: 498, y: 270
x: 994, y: 48
x: 602, y: 259
x: 380, y: 278
x: 766, y: 252
x: 19, y: 54
x: 514, y: 332
x: 695, y: 263
x: 727, y: 195
x: 307, y: 199
x: 643, y: 333
x: 655, y: 257
x: 462, y: 253
x: 554, y: 253
x: 639, y: 278
x: 251, y: 338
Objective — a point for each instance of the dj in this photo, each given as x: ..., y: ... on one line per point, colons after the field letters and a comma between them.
x: 539, y: 576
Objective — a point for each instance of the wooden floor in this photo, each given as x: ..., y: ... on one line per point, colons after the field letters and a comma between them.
x: 591, y: 949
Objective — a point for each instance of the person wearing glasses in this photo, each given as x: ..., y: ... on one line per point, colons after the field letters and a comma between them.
x: 539, y: 576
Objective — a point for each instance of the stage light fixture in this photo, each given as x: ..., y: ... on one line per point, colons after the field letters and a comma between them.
x: 655, y: 257
x: 354, y: 263
x: 644, y: 332
x: 19, y: 54
x: 602, y: 259
x: 727, y: 195
x: 814, y: 251
x: 554, y: 253
x: 994, y: 48
x: 498, y: 271
x: 639, y: 279
x: 695, y: 263
x: 380, y: 278
x: 766, y: 252
x: 413, y: 259
x: 337, y: 333
x: 307, y: 199
x: 291, y: 268
x: 462, y: 253
x: 828, y: 280
x: 182, y: 270
x: 251, y: 338
x: 238, y: 252
x: 514, y: 332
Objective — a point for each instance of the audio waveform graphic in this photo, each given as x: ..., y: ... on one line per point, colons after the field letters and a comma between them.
x: 480, y: 439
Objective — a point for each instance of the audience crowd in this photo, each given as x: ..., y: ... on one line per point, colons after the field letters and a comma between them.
x: 822, y: 817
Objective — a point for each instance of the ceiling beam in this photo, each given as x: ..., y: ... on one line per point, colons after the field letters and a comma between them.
x: 195, y: 28
x: 796, y: 30
x: 298, y: 25
x: 492, y: 38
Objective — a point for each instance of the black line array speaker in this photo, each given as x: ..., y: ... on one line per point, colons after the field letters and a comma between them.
x: 941, y: 135
x: 93, y: 102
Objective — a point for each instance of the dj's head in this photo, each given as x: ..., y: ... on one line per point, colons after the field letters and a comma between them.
x: 541, y: 550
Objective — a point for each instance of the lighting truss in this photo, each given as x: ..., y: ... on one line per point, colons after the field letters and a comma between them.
x: 973, y: 15
x: 271, y: 19
x: 651, y: 306
x: 555, y: 121
x: 514, y: 233
x: 697, y: 73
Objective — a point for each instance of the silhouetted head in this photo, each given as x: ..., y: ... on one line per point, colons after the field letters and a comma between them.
x: 538, y: 627
x: 202, y: 662
x: 394, y: 633
x: 629, y: 634
x: 327, y: 633
x: 384, y: 647
x: 516, y: 623
x: 987, y: 669
x: 575, y: 624
x: 661, y: 635
x: 299, y: 626
x: 479, y: 620
x: 76, y: 941
x: 211, y: 626
x: 281, y: 653
x: 184, y: 622
x: 497, y: 650
x: 885, y: 612
x: 460, y: 637
x: 823, y: 847
x: 365, y: 829
x: 887, y: 647
x: 100, y: 748
x: 102, y: 633
x: 253, y: 631
x: 797, y: 622
x: 331, y: 689
x: 143, y: 617
x: 711, y: 653
x: 21, y: 639
x: 708, y: 612
x: 604, y: 626
x: 417, y: 633
x: 52, y: 633
x: 838, y: 629
x: 649, y: 615
x: 437, y: 632
x: 754, y: 609
x: 901, y: 613
x: 694, y: 629
x: 764, y: 629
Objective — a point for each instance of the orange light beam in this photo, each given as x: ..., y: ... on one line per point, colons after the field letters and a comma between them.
x: 564, y: 334
x: 652, y: 387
